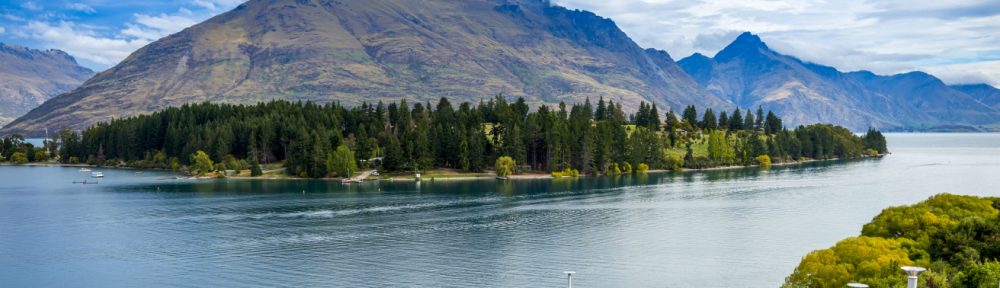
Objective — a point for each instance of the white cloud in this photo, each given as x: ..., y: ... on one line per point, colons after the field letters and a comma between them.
x: 83, y: 43
x: 31, y: 5
x: 150, y: 27
x: 216, y: 5
x: 969, y: 73
x: 81, y: 7
x: 2, y: 30
x: 886, y: 37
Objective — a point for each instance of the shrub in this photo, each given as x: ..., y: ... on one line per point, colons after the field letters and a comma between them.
x: 643, y: 167
x: 19, y: 158
x: 615, y: 170
x: 201, y: 163
x: 505, y: 166
x: 255, y: 169
x: 764, y: 161
x: 566, y: 173
x: 626, y: 167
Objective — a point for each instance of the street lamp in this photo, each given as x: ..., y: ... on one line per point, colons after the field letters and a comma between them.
x: 912, y: 273
x: 569, y: 278
x: 857, y: 285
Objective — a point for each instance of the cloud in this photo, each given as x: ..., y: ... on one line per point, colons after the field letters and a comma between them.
x: 969, y: 73
x: 81, y: 7
x: 2, y: 30
x: 83, y: 43
x: 887, y: 37
x: 31, y: 5
x: 152, y: 27
x: 216, y: 5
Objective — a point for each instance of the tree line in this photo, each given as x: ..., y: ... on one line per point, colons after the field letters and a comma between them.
x: 314, y: 140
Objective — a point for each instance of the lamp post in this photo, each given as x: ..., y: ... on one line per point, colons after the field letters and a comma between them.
x: 569, y: 278
x: 912, y: 273
x: 857, y: 285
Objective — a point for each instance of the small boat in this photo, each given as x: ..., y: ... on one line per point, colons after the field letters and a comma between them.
x: 346, y: 181
x: 97, y: 175
x: 84, y: 170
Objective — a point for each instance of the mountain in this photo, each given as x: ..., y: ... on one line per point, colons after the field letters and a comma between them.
x: 750, y: 74
x: 354, y: 51
x: 985, y: 93
x: 28, y: 77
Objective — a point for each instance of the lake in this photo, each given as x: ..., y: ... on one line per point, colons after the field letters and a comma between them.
x: 733, y: 228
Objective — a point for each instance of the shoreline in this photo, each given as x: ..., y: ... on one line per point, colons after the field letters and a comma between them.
x: 458, y: 176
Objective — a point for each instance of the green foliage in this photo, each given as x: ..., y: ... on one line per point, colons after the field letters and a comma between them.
x: 201, y: 163
x: 255, y: 170
x: 956, y: 237
x: 626, y: 168
x: 642, y: 168
x: 342, y: 163
x: 403, y: 137
x: 566, y: 173
x: 505, y: 166
x: 764, y: 161
x: 19, y: 158
x: 919, y: 222
x: 871, y: 260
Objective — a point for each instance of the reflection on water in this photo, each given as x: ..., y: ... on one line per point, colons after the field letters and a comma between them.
x: 693, y: 229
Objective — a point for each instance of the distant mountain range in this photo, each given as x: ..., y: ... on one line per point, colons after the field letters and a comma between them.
x: 28, y: 77
x: 749, y: 74
x: 354, y: 51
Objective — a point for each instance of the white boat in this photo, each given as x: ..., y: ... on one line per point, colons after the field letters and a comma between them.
x: 84, y: 170
x: 97, y: 175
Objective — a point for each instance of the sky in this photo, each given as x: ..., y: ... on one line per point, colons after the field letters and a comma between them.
x: 956, y: 40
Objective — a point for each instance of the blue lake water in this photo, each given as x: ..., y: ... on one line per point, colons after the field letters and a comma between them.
x: 735, y: 228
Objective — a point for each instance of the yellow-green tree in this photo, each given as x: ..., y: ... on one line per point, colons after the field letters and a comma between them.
x: 505, y: 166
x: 200, y: 163
x: 871, y: 260
x: 19, y: 158
x: 341, y: 162
x: 764, y: 161
x: 920, y: 221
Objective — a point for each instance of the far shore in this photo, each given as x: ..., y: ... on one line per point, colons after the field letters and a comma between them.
x: 434, y: 175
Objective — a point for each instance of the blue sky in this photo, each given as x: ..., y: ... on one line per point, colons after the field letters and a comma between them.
x: 957, y: 40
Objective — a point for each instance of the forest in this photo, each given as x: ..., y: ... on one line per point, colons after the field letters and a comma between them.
x: 957, y: 238
x: 313, y: 140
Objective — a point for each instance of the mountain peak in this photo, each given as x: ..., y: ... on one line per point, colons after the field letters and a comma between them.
x: 746, y: 42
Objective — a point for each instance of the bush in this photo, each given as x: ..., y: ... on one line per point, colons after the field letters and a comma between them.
x: 566, y: 173
x: 643, y: 167
x: 626, y: 168
x: 615, y: 170
x: 19, y: 158
x: 255, y: 169
x: 764, y: 161
x: 675, y: 163
x: 505, y: 166
x: 201, y: 163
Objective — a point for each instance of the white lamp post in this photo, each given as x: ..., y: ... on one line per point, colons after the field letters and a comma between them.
x: 912, y: 273
x: 569, y: 278
x: 857, y: 285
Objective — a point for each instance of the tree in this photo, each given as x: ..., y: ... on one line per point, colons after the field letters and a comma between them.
x: 764, y: 161
x: 19, y: 158
x: 505, y: 166
x: 255, y: 169
x: 690, y: 116
x: 708, y: 120
x: 201, y: 163
x: 341, y: 162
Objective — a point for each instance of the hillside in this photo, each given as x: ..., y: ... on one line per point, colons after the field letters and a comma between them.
x: 354, y: 51
x: 750, y: 74
x: 986, y: 94
x: 28, y: 77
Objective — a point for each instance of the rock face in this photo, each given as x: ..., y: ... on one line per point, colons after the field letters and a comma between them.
x: 354, y: 51
x: 28, y: 77
x: 750, y: 74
